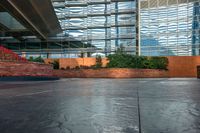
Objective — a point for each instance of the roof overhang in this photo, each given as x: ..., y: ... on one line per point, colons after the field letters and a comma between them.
x: 36, y: 15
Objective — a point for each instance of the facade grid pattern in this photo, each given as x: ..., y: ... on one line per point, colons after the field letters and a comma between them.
x: 169, y: 27
x: 104, y: 24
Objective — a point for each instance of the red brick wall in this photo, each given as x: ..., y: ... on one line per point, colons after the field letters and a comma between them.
x: 73, y: 62
x: 112, y: 73
x: 183, y: 66
x: 25, y: 69
x: 179, y: 66
x: 48, y: 61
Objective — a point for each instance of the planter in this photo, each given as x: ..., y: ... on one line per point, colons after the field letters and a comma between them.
x: 25, y: 69
x: 112, y: 73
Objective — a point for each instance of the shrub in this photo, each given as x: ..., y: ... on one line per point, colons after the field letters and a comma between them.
x: 77, y: 67
x: 55, y: 64
x: 37, y: 59
x: 98, y: 62
x: 31, y: 59
x: 159, y: 62
x: 139, y: 62
x: 147, y: 64
x: 84, y: 67
x: 68, y: 68
x: 120, y: 60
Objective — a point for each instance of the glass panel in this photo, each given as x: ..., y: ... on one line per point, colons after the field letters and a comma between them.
x: 103, y: 24
x: 169, y: 27
x: 10, y: 22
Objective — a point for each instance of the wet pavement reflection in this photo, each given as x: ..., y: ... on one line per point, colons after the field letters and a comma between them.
x: 100, y: 106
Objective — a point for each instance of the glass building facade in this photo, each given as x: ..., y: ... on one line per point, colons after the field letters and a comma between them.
x: 104, y: 25
x: 169, y: 27
x: 138, y: 27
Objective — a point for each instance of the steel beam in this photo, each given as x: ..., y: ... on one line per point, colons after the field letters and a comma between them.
x: 36, y: 15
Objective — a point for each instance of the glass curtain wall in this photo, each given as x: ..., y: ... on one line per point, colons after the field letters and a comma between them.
x: 104, y: 25
x: 169, y: 27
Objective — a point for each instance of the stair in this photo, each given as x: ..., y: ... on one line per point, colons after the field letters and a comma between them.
x: 9, y: 55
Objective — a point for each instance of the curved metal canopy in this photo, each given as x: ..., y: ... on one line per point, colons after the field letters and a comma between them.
x: 36, y: 15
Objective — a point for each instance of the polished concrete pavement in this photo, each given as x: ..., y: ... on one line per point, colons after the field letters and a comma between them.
x: 100, y: 106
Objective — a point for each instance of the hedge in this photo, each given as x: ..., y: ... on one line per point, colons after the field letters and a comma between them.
x: 131, y: 61
x: 37, y: 59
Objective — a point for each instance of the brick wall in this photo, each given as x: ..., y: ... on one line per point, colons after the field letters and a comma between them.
x: 25, y: 69
x: 179, y: 66
x: 183, y: 66
x: 73, y: 62
x: 9, y: 55
x: 112, y: 73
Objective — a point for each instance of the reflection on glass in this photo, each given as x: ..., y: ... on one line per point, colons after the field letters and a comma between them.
x: 104, y: 24
x: 168, y: 27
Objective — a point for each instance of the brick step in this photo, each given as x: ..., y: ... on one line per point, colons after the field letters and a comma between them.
x: 8, y: 55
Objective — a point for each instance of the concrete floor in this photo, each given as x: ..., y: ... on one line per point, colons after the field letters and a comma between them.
x: 100, y: 106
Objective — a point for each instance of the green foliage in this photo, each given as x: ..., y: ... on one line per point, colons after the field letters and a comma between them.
x: 98, y: 62
x: 120, y: 60
x: 31, y: 59
x: 159, y: 62
x: 37, y: 59
x: 148, y: 64
x: 55, y: 64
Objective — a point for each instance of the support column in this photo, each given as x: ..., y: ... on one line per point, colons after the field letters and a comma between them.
x: 138, y: 48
